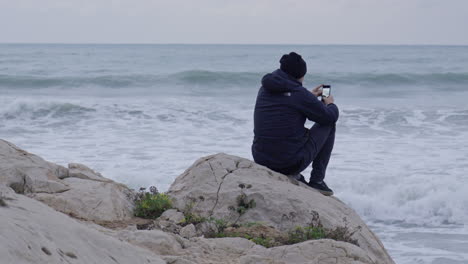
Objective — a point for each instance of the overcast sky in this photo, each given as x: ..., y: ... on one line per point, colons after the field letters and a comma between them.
x: 235, y: 21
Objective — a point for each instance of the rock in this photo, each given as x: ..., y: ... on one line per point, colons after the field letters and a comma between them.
x: 78, y: 191
x: 167, y: 226
x: 240, y: 250
x: 177, y: 260
x: 321, y: 251
x: 157, y: 241
x: 173, y: 215
x: 219, y: 186
x: 28, y: 173
x: 77, y: 170
x: 220, y: 250
x: 97, y: 201
x: 279, y: 201
x: 188, y: 231
x: 33, y: 233
x: 206, y: 228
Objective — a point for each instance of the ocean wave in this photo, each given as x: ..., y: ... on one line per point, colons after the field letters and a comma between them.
x: 194, y: 77
x: 42, y: 110
x: 386, y: 79
x: 226, y: 79
x: 385, y: 121
x: 112, y: 81
x: 211, y: 77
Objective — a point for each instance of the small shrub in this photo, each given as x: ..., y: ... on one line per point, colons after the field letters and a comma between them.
x: 314, y: 232
x: 243, y: 203
x: 192, y: 219
x: 217, y: 235
x: 263, y: 241
x: 301, y: 234
x: 190, y: 216
x: 344, y: 234
x: 221, y: 224
x: 266, y: 242
x: 151, y: 204
x: 250, y: 224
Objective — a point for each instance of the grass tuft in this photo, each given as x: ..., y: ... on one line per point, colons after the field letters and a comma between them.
x: 301, y: 234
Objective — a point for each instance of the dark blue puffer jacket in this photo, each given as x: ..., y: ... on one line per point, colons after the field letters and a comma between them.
x: 281, y: 110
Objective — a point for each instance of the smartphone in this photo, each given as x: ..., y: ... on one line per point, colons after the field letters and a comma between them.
x: 326, y: 90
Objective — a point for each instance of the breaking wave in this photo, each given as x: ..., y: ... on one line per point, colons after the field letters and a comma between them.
x: 229, y: 79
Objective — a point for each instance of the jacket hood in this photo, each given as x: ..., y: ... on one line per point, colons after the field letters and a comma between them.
x: 279, y: 82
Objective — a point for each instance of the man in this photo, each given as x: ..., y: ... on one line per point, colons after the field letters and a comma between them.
x: 281, y: 141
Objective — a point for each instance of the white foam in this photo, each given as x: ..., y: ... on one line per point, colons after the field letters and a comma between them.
x: 405, y: 168
x: 389, y: 164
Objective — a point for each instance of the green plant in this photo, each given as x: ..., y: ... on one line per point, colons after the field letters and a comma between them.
x: 314, y: 232
x: 190, y: 217
x: 266, y: 242
x: 218, y: 235
x: 250, y: 224
x: 343, y: 233
x: 263, y: 241
x: 221, y: 224
x: 243, y: 203
x: 301, y: 234
x: 151, y: 204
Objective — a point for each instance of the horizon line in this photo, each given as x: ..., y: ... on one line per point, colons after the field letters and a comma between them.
x: 227, y: 44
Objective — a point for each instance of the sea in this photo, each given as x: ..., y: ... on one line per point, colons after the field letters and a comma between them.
x: 142, y: 114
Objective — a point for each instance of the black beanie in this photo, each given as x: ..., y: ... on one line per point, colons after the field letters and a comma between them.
x: 294, y: 65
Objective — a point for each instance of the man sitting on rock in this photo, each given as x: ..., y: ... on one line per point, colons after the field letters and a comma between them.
x: 281, y: 141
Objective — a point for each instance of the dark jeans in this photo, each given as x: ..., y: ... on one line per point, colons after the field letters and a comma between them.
x: 317, y: 151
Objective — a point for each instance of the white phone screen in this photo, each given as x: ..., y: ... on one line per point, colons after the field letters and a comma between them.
x: 325, y: 92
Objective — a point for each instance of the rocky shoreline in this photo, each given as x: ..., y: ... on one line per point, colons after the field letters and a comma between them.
x: 53, y: 214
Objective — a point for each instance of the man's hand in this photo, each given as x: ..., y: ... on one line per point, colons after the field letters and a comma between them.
x: 317, y: 90
x: 328, y: 100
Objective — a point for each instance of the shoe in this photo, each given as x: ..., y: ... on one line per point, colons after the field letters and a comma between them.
x: 321, y: 187
x: 302, y: 179
x: 298, y: 177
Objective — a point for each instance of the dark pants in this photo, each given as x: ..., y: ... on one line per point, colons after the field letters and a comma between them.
x: 317, y: 151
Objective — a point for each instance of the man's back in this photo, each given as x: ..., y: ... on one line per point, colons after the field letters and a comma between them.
x: 281, y: 110
x: 275, y: 115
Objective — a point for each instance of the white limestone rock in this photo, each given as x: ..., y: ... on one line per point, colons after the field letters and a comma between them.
x: 33, y: 233
x: 321, y: 251
x: 92, y: 200
x: 204, y: 228
x: 157, y: 241
x: 173, y: 215
x: 28, y: 173
x: 167, y: 226
x: 78, y: 191
x: 188, y: 231
x: 81, y: 171
x: 213, y: 184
